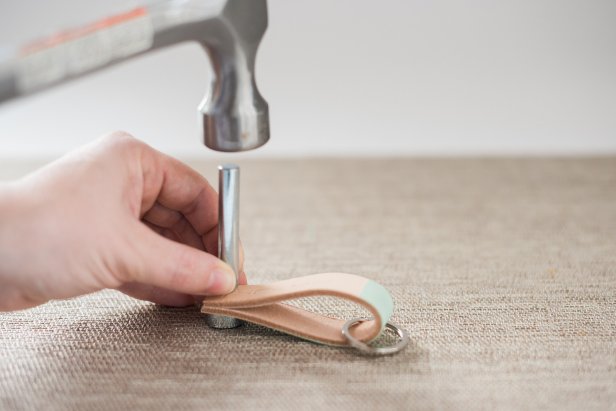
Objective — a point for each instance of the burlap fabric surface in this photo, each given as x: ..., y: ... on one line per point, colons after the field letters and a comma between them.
x: 503, y: 271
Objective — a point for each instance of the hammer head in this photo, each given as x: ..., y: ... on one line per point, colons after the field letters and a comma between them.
x: 235, y: 117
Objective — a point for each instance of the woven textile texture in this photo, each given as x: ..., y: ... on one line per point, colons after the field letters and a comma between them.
x: 502, y: 270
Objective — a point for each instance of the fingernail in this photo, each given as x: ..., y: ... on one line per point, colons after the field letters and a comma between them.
x: 222, y: 281
x: 243, y: 278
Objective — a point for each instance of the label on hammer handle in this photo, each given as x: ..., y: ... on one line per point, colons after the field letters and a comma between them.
x: 77, y: 51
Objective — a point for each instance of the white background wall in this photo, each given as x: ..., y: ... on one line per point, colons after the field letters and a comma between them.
x: 353, y: 77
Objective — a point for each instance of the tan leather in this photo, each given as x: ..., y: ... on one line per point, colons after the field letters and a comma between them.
x: 263, y: 304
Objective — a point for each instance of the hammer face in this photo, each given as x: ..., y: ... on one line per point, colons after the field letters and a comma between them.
x: 235, y: 117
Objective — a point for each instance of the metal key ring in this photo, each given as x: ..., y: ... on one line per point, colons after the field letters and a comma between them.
x: 365, y: 348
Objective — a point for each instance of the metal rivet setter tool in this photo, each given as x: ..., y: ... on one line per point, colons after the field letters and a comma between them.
x: 228, y: 231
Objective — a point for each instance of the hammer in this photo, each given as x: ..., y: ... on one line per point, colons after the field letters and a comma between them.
x: 233, y: 115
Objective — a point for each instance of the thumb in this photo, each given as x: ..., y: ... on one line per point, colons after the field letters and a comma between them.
x: 178, y: 267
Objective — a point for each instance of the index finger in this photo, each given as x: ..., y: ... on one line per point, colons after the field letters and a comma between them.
x: 178, y: 187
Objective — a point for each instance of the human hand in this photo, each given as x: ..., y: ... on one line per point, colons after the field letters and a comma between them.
x: 113, y: 214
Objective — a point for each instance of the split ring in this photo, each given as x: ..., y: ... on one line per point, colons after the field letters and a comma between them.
x: 368, y: 350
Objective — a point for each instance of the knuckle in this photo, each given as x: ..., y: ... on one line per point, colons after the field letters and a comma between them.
x: 120, y: 140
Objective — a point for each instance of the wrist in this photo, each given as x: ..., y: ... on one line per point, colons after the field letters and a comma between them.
x: 10, y: 287
x: 7, y: 198
x: 10, y: 205
x: 17, y: 230
x: 13, y: 202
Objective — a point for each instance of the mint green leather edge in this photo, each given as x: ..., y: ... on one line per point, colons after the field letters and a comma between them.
x: 378, y: 296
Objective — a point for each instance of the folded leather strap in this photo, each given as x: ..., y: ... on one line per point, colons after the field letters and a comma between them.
x: 263, y: 305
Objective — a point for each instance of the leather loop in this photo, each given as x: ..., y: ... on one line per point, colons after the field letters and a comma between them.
x: 264, y: 305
